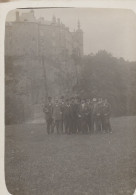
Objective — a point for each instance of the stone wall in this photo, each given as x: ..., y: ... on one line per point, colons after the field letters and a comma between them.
x: 39, y: 63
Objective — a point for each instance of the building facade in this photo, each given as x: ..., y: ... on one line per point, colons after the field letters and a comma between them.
x: 30, y: 36
x: 41, y: 60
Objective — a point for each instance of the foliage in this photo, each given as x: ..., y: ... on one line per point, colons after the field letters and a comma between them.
x: 105, y: 76
x: 95, y: 75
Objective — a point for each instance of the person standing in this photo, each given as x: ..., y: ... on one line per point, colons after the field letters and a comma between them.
x: 57, y: 116
x: 73, y: 115
x: 106, y: 112
x: 83, y: 113
x: 89, y: 117
x: 93, y: 114
x: 99, y: 115
x: 67, y: 117
x: 79, y: 120
x: 62, y: 107
x: 48, y: 110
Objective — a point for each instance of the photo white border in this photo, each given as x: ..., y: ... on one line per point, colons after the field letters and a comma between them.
x: 8, y: 6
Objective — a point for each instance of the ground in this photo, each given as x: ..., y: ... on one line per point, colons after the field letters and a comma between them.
x: 101, y: 164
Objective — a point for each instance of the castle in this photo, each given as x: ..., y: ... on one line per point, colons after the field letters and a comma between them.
x: 30, y: 36
x: 30, y: 79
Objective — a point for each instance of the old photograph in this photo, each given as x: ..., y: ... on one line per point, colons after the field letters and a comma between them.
x: 70, y: 101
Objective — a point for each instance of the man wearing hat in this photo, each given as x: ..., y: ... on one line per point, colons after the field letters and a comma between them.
x: 106, y: 112
x: 57, y: 116
x: 89, y: 117
x: 99, y: 115
x: 84, y: 114
x: 48, y: 110
x: 79, y: 119
x: 67, y: 117
x: 62, y: 108
x: 73, y: 115
x: 93, y: 114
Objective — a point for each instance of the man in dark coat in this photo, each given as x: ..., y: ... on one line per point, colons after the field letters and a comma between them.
x: 79, y: 119
x: 73, y: 115
x: 62, y: 107
x: 89, y: 117
x: 99, y: 115
x: 93, y: 114
x: 67, y: 116
x: 106, y: 112
x: 48, y: 110
x: 57, y: 116
x: 83, y: 112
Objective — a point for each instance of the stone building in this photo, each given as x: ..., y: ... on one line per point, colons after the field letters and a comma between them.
x: 30, y: 36
x: 41, y: 60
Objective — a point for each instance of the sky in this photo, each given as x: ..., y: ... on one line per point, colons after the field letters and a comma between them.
x: 113, y: 30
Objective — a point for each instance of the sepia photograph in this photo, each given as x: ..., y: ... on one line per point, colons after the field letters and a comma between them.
x: 70, y: 101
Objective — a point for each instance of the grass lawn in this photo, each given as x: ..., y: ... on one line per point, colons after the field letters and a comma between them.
x: 41, y: 164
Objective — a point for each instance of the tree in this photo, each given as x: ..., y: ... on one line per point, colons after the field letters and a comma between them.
x: 105, y: 76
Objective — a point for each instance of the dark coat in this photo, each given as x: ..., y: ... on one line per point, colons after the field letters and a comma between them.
x: 57, y: 114
x: 48, y: 110
x: 99, y: 108
x: 67, y: 111
x: 83, y: 110
x: 106, y: 109
x: 74, y: 110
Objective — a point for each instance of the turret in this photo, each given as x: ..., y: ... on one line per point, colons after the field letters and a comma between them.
x: 78, y: 25
x: 32, y: 12
x: 53, y: 20
x: 79, y: 38
x: 58, y: 20
x: 17, y: 16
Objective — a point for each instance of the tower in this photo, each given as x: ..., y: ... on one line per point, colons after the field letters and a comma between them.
x: 78, y: 25
x: 79, y: 39
x: 53, y: 20
x: 17, y: 16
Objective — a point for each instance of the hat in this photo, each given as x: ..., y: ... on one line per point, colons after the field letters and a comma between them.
x: 72, y: 98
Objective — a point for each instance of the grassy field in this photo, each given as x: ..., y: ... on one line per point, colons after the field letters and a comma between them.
x: 101, y: 164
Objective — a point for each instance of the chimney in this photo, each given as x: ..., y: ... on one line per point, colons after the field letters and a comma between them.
x: 54, y: 19
x: 17, y: 16
x: 58, y: 21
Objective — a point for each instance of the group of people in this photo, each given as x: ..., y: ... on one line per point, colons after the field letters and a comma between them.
x: 74, y: 115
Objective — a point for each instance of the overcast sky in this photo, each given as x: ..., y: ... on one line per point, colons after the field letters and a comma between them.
x: 113, y: 30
